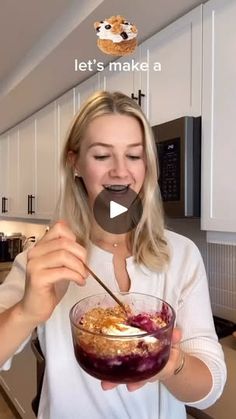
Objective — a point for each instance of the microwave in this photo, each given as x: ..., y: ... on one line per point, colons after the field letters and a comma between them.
x: 179, y: 155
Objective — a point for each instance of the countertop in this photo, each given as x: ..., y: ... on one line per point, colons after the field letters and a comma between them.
x: 5, y: 266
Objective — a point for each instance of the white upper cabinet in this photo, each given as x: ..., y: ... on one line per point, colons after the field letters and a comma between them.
x: 46, y: 161
x: 4, y: 165
x: 218, y: 116
x: 13, y: 172
x: 85, y: 89
x: 65, y: 114
x: 175, y: 91
x: 127, y: 76
x: 27, y: 169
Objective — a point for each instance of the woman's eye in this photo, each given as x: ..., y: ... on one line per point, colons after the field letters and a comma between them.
x: 134, y: 157
x: 101, y: 157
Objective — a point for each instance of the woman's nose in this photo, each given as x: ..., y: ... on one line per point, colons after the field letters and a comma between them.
x: 119, y: 168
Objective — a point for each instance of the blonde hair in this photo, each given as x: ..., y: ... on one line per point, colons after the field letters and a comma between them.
x: 147, y: 240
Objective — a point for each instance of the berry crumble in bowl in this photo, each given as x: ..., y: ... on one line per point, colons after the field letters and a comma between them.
x: 122, y: 347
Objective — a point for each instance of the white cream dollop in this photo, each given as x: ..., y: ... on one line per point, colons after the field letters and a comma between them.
x: 104, y: 33
x: 121, y: 329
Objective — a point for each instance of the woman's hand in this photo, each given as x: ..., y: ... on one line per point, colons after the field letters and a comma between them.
x: 165, y: 373
x: 55, y: 259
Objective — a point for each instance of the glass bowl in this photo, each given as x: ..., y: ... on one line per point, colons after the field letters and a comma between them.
x: 122, y: 354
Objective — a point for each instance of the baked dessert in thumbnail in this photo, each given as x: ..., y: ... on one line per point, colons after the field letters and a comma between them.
x: 116, y: 36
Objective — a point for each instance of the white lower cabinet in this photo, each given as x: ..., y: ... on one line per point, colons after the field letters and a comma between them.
x: 20, y: 382
x: 218, y: 117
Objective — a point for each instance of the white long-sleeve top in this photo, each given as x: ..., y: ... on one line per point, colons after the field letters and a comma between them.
x: 70, y: 393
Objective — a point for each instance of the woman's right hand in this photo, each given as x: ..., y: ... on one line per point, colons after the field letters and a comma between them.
x: 57, y: 257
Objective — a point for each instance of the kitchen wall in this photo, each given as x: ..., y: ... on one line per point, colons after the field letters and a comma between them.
x: 27, y: 229
x: 220, y: 263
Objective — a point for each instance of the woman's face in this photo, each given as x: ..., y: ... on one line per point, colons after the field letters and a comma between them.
x: 112, y: 153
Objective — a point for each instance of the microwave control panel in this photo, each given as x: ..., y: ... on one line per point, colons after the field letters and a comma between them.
x: 169, y: 162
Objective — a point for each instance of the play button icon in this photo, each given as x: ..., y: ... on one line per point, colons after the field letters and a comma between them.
x: 118, y: 212
x: 116, y: 209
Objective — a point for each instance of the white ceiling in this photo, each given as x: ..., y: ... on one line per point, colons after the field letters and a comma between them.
x: 39, y: 41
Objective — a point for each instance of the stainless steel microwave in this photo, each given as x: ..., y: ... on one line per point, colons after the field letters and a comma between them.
x: 179, y: 154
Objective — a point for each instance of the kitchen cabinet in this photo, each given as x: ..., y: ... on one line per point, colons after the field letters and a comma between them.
x: 20, y: 382
x: 175, y: 91
x: 85, y: 89
x: 29, y: 161
x: 119, y: 76
x: 4, y: 164
x: 46, y: 161
x: 9, y: 144
x: 65, y: 113
x: 218, y: 117
x: 27, y: 166
x: 13, y: 172
x: 167, y: 79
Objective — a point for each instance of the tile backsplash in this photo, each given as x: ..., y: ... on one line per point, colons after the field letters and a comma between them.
x: 220, y: 263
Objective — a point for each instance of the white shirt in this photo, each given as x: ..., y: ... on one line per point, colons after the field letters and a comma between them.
x: 70, y: 393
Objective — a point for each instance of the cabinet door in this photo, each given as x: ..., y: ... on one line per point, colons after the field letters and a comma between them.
x: 46, y: 161
x: 65, y: 114
x: 26, y: 167
x: 129, y: 76
x: 4, y: 164
x: 218, y: 117
x: 13, y: 172
x: 118, y: 76
x: 175, y: 88
x: 85, y: 89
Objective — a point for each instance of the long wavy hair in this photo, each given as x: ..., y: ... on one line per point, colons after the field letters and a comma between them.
x: 147, y: 240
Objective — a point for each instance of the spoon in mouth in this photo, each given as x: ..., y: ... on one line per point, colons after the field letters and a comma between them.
x: 106, y: 288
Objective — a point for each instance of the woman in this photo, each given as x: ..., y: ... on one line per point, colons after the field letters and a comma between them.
x: 110, y: 146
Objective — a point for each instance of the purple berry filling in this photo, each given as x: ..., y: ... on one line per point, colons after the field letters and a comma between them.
x: 125, y: 368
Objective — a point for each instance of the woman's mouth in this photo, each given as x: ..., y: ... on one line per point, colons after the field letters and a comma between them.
x: 116, y: 188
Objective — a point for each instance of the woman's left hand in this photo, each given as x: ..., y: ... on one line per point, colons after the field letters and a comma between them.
x: 165, y: 373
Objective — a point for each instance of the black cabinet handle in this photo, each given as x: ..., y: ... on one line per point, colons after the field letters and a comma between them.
x: 30, y: 204
x: 140, y: 95
x: 4, y: 209
x: 134, y: 97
